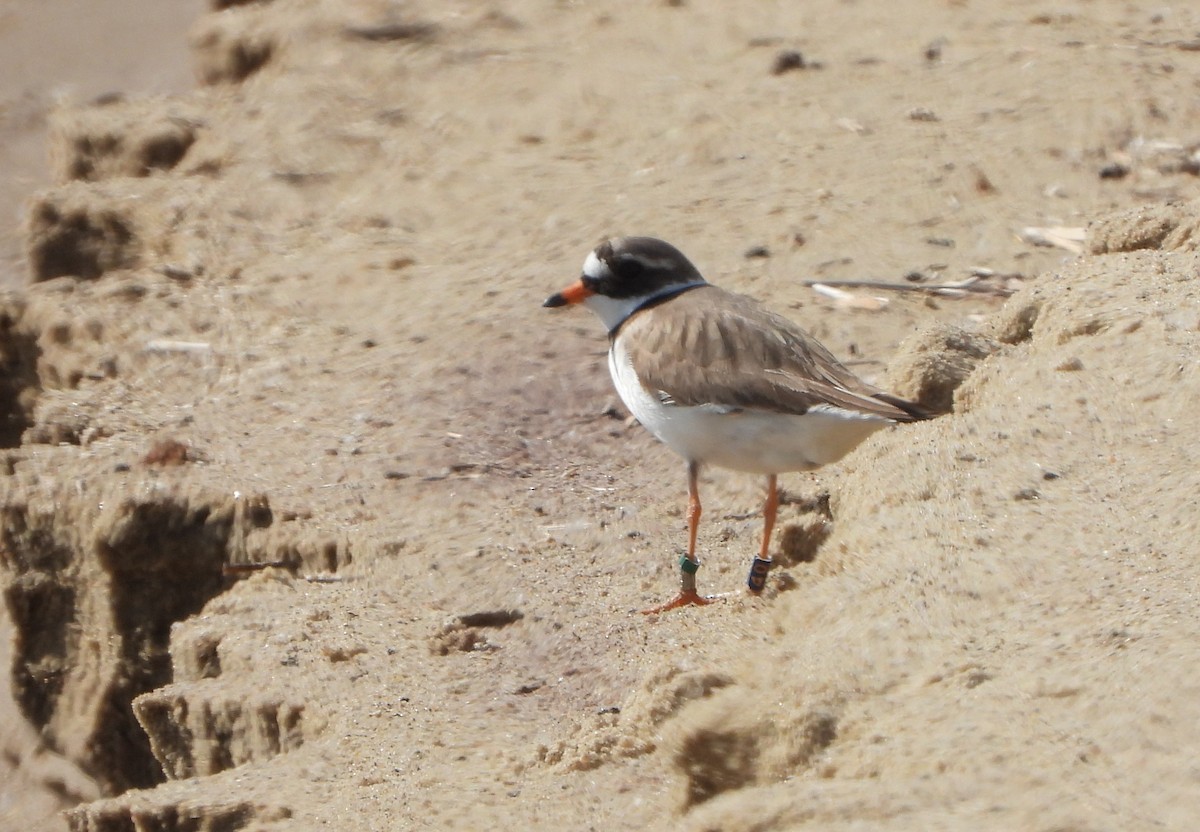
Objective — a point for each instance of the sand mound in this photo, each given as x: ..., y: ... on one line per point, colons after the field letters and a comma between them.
x: 1161, y: 227
x: 1017, y: 562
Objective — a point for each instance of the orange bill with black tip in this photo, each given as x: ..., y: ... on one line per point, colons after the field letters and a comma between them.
x: 575, y: 293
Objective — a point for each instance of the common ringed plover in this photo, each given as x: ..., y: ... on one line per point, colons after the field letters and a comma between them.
x: 722, y: 380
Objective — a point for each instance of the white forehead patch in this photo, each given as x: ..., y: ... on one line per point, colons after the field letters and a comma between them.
x: 594, y: 267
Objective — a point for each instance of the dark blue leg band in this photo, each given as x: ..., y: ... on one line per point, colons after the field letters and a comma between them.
x: 758, y: 575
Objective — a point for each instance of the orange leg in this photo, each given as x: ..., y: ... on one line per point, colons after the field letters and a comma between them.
x: 695, y: 510
x: 770, y: 509
x: 762, y: 563
x: 689, y: 564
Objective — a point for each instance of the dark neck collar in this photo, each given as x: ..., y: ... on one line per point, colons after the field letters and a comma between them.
x: 654, y: 300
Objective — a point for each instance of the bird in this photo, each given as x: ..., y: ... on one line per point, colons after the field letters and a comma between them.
x: 723, y: 381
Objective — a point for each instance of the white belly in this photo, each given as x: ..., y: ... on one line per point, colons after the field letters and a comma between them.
x: 757, y: 441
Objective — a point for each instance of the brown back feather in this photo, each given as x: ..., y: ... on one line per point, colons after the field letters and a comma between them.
x: 739, y: 354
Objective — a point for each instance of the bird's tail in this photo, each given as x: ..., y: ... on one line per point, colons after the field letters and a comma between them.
x: 914, y: 411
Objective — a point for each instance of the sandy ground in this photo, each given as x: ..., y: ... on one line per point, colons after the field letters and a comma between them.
x: 313, y: 518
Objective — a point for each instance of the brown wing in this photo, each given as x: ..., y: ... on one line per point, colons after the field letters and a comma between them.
x: 738, y: 354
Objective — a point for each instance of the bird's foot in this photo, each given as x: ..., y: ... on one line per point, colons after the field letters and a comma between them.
x: 686, y: 597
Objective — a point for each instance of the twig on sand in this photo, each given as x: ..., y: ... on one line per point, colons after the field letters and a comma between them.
x: 976, y: 284
x: 195, y: 347
x: 417, y: 31
x: 844, y: 299
x: 1068, y: 238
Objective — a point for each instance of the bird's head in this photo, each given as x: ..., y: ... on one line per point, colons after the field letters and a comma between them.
x: 624, y: 273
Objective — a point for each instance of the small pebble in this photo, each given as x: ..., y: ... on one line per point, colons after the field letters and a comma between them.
x: 786, y: 61
x: 1114, y: 170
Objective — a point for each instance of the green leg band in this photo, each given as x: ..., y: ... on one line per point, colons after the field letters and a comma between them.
x: 687, y: 570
